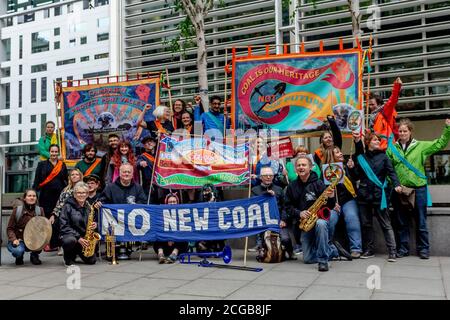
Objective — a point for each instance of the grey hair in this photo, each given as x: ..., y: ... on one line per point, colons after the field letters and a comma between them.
x: 159, y: 111
x: 80, y: 185
x: 266, y: 167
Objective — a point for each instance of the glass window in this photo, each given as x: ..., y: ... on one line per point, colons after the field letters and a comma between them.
x: 439, y: 104
x: 20, y: 134
x: 87, y: 4
x: 7, y: 50
x: 46, y: 13
x: 20, y: 69
x: 40, y: 41
x: 439, y: 75
x: 33, y: 118
x: 69, y: 8
x: 25, y: 18
x: 33, y: 135
x: 436, y: 62
x: 20, y: 47
x: 83, y: 59
x: 20, y: 119
x: 33, y: 90
x: 56, y: 31
x: 57, y: 11
x: 7, y: 95
x: 9, y: 21
x: 101, y: 56
x: 39, y: 68
x: 103, y: 23
x: 63, y: 62
x: 72, y: 42
x: 44, y: 89
x: 102, y: 36
x: 83, y: 40
x: 4, y: 120
x: 101, y: 2
x: 20, y: 94
x: 56, y: 45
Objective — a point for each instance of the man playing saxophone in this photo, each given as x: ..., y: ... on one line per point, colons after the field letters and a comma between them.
x: 74, y: 220
x: 301, y: 195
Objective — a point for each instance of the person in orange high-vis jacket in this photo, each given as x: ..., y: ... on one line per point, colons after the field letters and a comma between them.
x: 382, y: 116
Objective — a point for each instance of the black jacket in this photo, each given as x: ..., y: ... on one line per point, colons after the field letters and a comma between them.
x: 344, y: 195
x: 43, y: 170
x: 116, y: 193
x: 300, y: 196
x: 73, y: 219
x: 279, y: 194
x: 382, y: 167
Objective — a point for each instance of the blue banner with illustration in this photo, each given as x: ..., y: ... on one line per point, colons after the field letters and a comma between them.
x: 91, y: 112
x: 295, y: 93
x: 191, y: 222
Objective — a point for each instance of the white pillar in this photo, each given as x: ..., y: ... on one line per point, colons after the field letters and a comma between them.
x: 116, y: 39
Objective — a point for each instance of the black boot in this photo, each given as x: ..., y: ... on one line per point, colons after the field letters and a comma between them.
x: 19, y: 261
x: 34, y: 258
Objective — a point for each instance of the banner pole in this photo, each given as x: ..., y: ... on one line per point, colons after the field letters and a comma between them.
x: 58, y: 97
x: 153, y: 170
x: 368, y: 81
x: 248, y: 196
x: 225, y: 98
x: 170, y: 90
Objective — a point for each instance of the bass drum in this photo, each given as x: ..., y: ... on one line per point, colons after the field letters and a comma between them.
x: 37, y: 233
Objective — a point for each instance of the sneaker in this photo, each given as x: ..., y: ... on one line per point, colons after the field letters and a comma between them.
x: 323, y: 266
x: 161, y: 259
x: 19, y: 261
x: 172, y: 258
x: 367, y: 255
x: 356, y: 255
x: 391, y: 257
x: 402, y: 254
x: 342, y: 252
x: 424, y: 255
x: 34, y: 259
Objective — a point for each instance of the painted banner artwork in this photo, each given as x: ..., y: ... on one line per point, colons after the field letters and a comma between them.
x: 332, y: 172
x: 281, y: 148
x: 194, y: 162
x: 191, y: 222
x: 295, y: 93
x: 92, y: 112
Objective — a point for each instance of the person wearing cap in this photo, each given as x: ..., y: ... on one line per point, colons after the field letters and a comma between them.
x: 145, y: 162
x: 93, y: 183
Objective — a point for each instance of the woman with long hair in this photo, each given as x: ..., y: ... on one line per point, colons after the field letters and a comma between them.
x: 18, y: 220
x: 178, y: 108
x: 170, y: 249
x: 123, y: 154
x: 408, y: 157
x: 328, y: 139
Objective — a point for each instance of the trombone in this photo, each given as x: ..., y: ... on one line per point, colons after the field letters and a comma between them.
x: 111, y: 246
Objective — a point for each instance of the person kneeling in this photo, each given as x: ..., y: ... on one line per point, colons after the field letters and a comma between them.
x: 19, y: 218
x: 74, y: 219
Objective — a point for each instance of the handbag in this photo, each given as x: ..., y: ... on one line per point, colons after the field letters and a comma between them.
x: 408, y: 197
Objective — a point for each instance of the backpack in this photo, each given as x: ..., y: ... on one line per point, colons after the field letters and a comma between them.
x: 19, y: 212
x: 271, y: 251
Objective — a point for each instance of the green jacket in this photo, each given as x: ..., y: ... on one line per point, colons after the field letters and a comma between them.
x: 416, y: 154
x: 44, y: 145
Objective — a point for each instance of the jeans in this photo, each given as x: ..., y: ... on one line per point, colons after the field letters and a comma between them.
x: 420, y: 216
x: 18, y: 251
x: 350, y: 213
x: 315, y: 245
x: 367, y: 211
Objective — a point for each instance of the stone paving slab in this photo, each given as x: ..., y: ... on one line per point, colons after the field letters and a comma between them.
x: 147, y: 287
x: 61, y: 293
x: 399, y: 296
x: 323, y: 292
x: 264, y: 292
x: 210, y: 287
x: 288, y: 279
x: 8, y: 292
x: 412, y: 271
x: 108, y: 279
x: 114, y: 296
x: 428, y: 287
x: 173, y: 296
x: 343, y: 279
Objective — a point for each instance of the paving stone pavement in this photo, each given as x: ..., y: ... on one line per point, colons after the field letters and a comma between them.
x: 408, y: 278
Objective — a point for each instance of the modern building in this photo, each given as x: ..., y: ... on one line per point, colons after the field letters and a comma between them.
x: 42, y: 42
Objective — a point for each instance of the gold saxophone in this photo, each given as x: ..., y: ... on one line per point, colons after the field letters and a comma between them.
x: 91, y: 236
x: 309, y: 223
x: 111, y: 246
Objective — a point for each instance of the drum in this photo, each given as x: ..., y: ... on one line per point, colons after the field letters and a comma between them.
x: 37, y: 233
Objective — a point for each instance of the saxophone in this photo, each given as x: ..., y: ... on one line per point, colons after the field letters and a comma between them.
x: 91, y: 236
x: 316, y: 212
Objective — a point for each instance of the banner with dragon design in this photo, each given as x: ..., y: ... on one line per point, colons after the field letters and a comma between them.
x: 193, y: 162
x: 295, y: 93
x: 91, y: 112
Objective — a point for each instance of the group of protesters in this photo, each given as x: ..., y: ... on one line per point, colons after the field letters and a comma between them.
x: 386, y: 168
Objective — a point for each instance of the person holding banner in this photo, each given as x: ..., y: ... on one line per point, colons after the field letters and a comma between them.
x: 408, y: 157
x: 170, y: 248
x: 145, y: 162
x: 300, y: 196
x: 74, y: 218
x: 382, y: 116
x: 373, y: 168
x: 90, y: 164
x: 268, y: 188
x: 49, y: 138
x: 16, y: 227
x: 214, y: 118
x: 123, y: 191
x: 49, y: 181
x: 328, y: 139
x: 161, y: 124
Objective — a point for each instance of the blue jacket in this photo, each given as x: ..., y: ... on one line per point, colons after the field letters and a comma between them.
x: 212, y: 120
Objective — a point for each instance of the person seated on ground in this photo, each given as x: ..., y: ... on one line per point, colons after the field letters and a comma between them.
x: 123, y: 191
x: 268, y: 188
x: 300, y: 195
x: 73, y: 222
x: 209, y: 194
x: 16, y: 226
x: 170, y: 249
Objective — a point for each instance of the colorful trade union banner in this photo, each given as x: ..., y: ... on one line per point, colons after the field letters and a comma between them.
x: 295, y: 93
x: 191, y: 222
x: 193, y: 162
x: 92, y: 112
